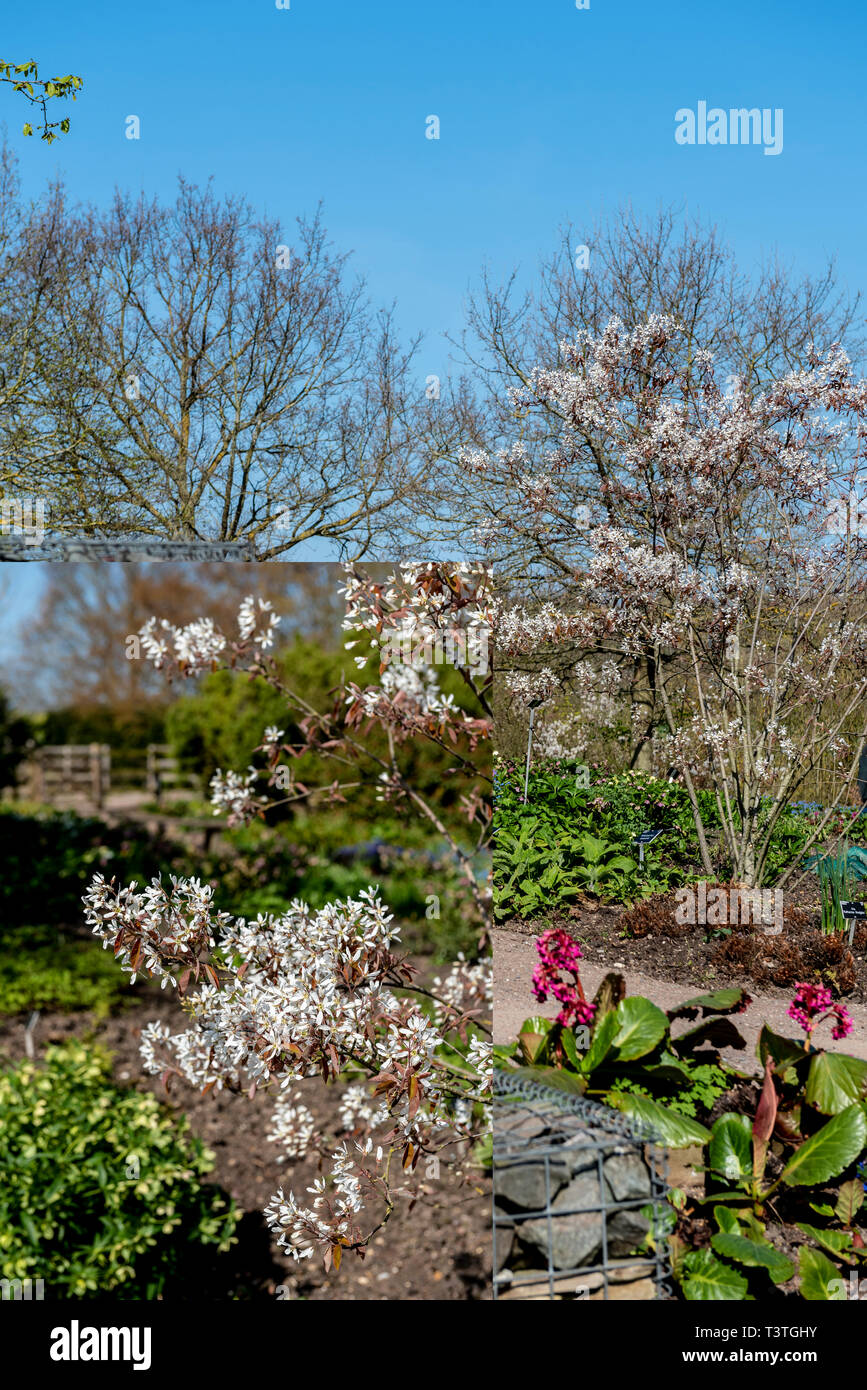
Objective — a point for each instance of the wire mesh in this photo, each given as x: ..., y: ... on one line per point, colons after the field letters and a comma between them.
x: 580, y: 1207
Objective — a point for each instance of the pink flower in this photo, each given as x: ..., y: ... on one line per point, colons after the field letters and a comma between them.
x: 812, y: 1005
x: 558, y: 951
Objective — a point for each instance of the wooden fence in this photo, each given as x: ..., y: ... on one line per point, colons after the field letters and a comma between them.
x: 72, y: 770
x: 164, y: 771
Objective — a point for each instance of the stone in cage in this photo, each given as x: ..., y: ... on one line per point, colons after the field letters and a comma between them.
x: 580, y: 1207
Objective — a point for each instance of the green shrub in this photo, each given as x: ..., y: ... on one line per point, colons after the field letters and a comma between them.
x: 49, y: 858
x: 40, y: 969
x: 102, y: 1189
x: 14, y: 733
x: 576, y: 834
x: 224, y: 719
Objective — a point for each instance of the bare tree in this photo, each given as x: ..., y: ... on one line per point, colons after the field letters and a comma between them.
x: 75, y: 649
x: 219, y: 384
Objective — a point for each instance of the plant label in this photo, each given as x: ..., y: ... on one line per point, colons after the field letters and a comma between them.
x: 645, y: 837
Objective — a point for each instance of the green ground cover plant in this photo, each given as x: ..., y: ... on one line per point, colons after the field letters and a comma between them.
x: 103, y: 1190
x: 41, y: 968
x: 575, y: 836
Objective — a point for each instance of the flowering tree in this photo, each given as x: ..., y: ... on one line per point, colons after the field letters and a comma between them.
x: 327, y: 993
x: 758, y: 323
x: 726, y: 567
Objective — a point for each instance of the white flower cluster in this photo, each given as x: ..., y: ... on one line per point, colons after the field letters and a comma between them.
x: 257, y: 622
x: 193, y: 648
x: 359, y: 1111
x: 292, y: 1127
x: 328, y: 1223
x: 232, y: 795
x: 200, y: 645
x: 532, y: 685
x: 154, y: 931
x: 417, y: 689
x: 308, y: 992
x: 426, y: 615
x: 468, y: 985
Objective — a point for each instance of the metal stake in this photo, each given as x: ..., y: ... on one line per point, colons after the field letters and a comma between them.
x: 529, y: 746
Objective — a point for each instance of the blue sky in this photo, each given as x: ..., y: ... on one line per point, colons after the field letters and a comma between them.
x: 547, y: 113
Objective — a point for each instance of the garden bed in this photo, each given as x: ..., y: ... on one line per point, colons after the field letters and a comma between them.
x: 695, y: 956
x: 444, y: 1255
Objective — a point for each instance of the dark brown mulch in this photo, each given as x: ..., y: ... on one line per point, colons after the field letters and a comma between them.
x: 648, y: 938
x: 439, y: 1250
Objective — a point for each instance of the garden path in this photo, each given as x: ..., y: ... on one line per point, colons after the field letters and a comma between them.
x: 515, y: 959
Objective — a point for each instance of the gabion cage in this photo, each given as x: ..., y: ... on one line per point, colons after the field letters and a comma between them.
x: 19, y: 547
x: 580, y: 1207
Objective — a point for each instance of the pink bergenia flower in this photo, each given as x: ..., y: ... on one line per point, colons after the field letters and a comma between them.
x: 558, y: 951
x: 813, y: 1004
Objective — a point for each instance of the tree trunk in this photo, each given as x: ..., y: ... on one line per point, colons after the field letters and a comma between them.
x: 643, y: 692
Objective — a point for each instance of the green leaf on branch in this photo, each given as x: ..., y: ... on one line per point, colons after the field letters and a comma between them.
x: 835, y: 1081
x: 533, y: 1038
x: 603, y: 1038
x: 675, y: 1131
x: 553, y: 1076
x: 731, y: 1148
x: 785, y: 1052
x: 641, y: 1026
x: 837, y: 1242
x: 850, y: 1200
x: 727, y: 1220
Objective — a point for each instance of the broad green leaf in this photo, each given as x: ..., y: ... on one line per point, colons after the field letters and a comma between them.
x: 850, y: 1200
x: 592, y: 848
x: 823, y: 1208
x: 553, y: 1076
x: 620, y: 861
x: 606, y: 1031
x: 838, y: 1242
x: 834, y: 1081
x: 533, y: 1038
x: 707, y: 1280
x: 731, y: 1148
x: 820, y: 1280
x: 754, y: 1253
x: 826, y: 1153
x: 641, y: 1026
x: 570, y: 1047
x: 752, y: 1225
x: 675, y: 1131
x: 727, y: 1220
x: 786, y: 1052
